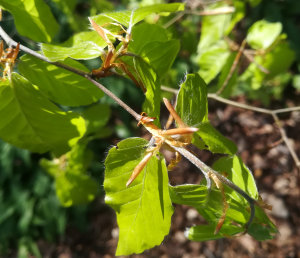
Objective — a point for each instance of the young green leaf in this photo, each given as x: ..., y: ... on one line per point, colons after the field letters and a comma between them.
x: 238, y: 14
x: 83, y: 46
x: 151, y: 81
x: 239, y: 174
x: 193, y: 96
x: 213, y: 60
x: 137, y: 15
x: 30, y: 121
x: 262, y: 34
x: 277, y: 61
x: 143, y: 209
x: 33, y: 18
x: 214, y: 141
x: 150, y: 42
x: 60, y: 85
x: 213, y: 28
x: 191, y: 103
x: 206, y: 232
x: 73, y: 187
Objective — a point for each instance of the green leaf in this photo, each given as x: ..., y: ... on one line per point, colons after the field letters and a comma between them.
x: 191, y: 104
x: 216, y: 142
x: 151, y: 82
x: 210, y: 207
x: 193, y: 96
x: 96, y: 117
x: 239, y: 174
x: 33, y: 18
x: 213, y: 28
x: 192, y: 195
x: 296, y: 82
x: 262, y: 34
x: 123, y: 17
x: 30, y: 121
x: 83, y: 46
x: 206, y: 232
x: 237, y: 15
x: 277, y: 61
x: 60, y: 85
x: 72, y: 189
x: 213, y: 60
x: 143, y: 209
x: 150, y: 42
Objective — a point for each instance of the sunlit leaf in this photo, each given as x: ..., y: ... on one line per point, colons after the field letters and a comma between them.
x: 123, y: 17
x: 60, y: 85
x: 151, y: 82
x: 30, y: 121
x: 150, y: 42
x: 73, y: 186
x: 238, y: 14
x: 206, y: 232
x: 213, y: 28
x: 262, y: 34
x: 83, y: 46
x: 215, y: 141
x: 33, y: 18
x: 193, y: 96
x: 213, y: 60
x: 239, y: 174
x: 143, y: 209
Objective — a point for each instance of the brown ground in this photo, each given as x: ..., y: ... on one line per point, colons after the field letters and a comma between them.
x: 277, y: 180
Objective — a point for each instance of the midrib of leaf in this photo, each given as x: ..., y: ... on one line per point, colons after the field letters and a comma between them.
x: 32, y: 128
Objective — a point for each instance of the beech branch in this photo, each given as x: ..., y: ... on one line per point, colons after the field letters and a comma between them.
x: 204, y: 168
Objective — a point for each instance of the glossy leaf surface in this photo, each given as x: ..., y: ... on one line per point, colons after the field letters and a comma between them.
x: 151, y: 82
x: 30, y: 121
x: 262, y: 34
x: 239, y: 174
x: 33, y: 18
x: 143, y: 209
x: 193, y: 96
x: 60, y: 85
x: 83, y: 46
x: 124, y: 17
x: 150, y: 42
x: 73, y: 186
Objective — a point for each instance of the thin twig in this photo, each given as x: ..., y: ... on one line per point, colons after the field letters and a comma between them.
x: 233, y: 67
x: 84, y: 74
x: 256, y: 109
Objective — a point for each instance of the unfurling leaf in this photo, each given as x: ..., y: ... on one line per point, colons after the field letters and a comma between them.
x: 144, y: 208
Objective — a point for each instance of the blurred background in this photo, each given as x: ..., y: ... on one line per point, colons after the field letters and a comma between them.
x: 32, y: 221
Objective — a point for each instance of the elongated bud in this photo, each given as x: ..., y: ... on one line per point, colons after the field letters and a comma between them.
x: 181, y: 131
x: 108, y: 58
x: 139, y: 168
x: 174, y: 113
x: 99, y: 30
x: 146, y: 120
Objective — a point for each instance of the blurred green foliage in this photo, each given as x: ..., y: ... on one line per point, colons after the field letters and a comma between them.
x: 30, y: 209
